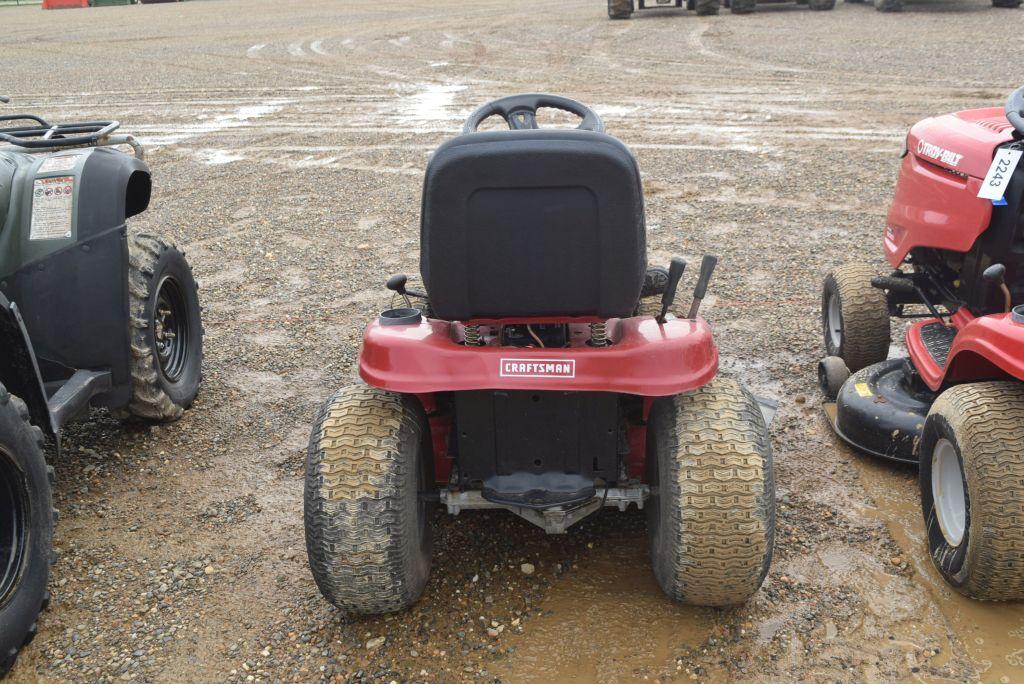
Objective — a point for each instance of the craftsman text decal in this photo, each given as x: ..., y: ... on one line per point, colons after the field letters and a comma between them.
x: 538, y: 368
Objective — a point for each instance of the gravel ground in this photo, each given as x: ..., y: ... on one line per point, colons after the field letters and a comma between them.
x: 288, y: 142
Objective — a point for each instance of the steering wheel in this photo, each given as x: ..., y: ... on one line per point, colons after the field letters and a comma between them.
x: 520, y: 112
x: 1015, y: 110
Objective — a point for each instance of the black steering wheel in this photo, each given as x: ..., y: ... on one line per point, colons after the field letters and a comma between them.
x: 1015, y: 110
x: 520, y: 112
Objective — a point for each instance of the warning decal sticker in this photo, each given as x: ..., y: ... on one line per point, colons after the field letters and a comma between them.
x: 52, y: 206
x: 64, y: 162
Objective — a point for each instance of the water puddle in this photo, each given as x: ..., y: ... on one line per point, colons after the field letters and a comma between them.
x: 991, y: 633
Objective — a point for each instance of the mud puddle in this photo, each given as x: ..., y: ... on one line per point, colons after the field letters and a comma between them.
x: 992, y: 634
x: 608, y: 621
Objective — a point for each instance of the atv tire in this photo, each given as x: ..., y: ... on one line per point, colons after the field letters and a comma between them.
x: 972, y: 488
x: 367, y: 527
x: 707, y: 8
x: 166, y: 330
x: 26, y: 532
x: 855, y: 317
x: 742, y: 6
x: 711, y: 517
x: 888, y: 5
x: 620, y: 9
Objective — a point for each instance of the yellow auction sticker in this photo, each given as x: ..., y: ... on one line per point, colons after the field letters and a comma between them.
x: 863, y: 389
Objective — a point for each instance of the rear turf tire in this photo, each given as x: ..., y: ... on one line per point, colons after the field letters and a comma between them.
x: 855, y: 317
x: 367, y: 527
x: 166, y: 372
x: 711, y: 517
x: 975, y: 517
x: 707, y: 7
x: 26, y: 528
x: 620, y: 9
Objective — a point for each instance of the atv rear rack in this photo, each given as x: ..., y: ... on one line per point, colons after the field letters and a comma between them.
x: 45, y: 136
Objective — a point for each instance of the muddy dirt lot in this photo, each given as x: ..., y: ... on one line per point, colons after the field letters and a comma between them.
x: 288, y: 142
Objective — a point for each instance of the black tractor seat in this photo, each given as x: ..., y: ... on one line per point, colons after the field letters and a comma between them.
x: 533, y: 223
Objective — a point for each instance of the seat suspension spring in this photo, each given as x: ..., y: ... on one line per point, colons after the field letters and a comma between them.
x: 473, y: 338
x: 599, y: 334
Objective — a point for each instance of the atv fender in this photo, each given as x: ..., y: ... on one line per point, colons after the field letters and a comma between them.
x: 19, y: 370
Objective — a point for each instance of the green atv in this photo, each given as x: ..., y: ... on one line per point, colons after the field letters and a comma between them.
x: 88, y: 318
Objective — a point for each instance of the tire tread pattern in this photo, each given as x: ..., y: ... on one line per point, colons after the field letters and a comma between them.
x: 360, y: 532
x: 149, y: 400
x: 9, y: 402
x: 866, y: 328
x: 720, y: 495
x: 988, y: 420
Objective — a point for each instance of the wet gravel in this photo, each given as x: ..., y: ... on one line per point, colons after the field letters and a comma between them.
x: 288, y: 141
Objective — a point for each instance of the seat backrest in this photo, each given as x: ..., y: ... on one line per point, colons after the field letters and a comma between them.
x: 533, y: 223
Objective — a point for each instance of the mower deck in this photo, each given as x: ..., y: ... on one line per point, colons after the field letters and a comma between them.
x: 878, y: 413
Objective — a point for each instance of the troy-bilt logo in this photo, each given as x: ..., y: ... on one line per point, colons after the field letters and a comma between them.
x: 538, y: 368
x: 941, y: 154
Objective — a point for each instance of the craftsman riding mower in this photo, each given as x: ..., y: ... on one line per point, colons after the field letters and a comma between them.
x: 88, y: 318
x: 527, y: 380
x: 955, y: 404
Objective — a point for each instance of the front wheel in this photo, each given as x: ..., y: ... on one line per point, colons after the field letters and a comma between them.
x: 620, y: 9
x: 711, y: 518
x: 972, y: 488
x: 854, y: 317
x: 26, y: 528
x: 367, y: 526
x: 166, y: 330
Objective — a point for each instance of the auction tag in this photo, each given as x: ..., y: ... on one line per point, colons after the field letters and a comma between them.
x: 863, y: 389
x: 52, y: 207
x: 998, y: 176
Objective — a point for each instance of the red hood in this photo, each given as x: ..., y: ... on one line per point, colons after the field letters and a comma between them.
x: 964, y: 141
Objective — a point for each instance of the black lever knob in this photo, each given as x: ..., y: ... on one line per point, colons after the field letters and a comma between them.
x: 396, y: 283
x: 675, y: 274
x: 995, y: 274
x: 707, y: 269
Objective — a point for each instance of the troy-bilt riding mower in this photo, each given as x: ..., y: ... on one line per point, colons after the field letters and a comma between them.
x: 955, y: 405
x: 527, y: 380
x: 623, y: 9
x: 88, y: 317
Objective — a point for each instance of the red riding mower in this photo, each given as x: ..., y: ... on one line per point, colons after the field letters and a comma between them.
x: 528, y: 380
x: 955, y: 405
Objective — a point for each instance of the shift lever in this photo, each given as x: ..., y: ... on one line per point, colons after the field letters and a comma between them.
x: 707, y: 268
x: 996, y: 274
x: 675, y: 273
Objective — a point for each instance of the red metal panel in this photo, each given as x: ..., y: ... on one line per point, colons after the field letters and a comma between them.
x: 936, y: 203
x: 646, y: 359
x: 985, y: 348
x: 64, y: 4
